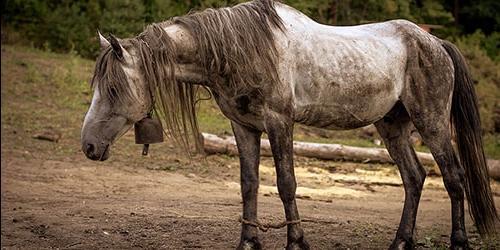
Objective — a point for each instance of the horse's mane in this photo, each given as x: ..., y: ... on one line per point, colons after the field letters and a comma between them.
x: 235, y: 44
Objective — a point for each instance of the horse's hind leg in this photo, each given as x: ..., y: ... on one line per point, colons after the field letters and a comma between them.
x: 428, y: 101
x: 395, y: 131
x: 248, y: 142
x: 435, y: 132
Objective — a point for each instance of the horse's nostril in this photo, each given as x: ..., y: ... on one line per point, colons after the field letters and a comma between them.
x: 89, y: 149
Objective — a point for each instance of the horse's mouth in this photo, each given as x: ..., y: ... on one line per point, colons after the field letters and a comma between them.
x: 105, y: 154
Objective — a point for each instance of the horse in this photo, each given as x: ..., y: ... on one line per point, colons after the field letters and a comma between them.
x: 269, y: 66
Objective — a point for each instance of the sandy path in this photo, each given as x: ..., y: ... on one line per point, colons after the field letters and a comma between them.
x: 78, y: 204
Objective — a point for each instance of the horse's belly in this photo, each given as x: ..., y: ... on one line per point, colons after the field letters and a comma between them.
x: 347, y: 86
x: 342, y: 108
x: 336, y: 116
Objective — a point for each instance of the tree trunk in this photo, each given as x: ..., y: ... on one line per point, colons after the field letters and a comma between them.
x: 456, y: 12
x: 333, y: 12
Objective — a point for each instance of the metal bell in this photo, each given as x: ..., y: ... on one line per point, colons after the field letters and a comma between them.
x: 148, y: 131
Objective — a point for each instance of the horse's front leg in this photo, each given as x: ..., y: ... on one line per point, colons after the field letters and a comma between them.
x: 248, y: 142
x: 280, y: 132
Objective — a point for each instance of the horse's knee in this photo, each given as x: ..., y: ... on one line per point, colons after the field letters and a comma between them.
x: 287, y: 187
x: 249, y: 186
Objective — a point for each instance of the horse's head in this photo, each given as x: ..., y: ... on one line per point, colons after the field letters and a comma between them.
x: 121, y: 97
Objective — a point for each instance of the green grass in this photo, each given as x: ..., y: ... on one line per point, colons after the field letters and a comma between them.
x: 492, y: 145
x: 42, y: 89
x: 211, y: 120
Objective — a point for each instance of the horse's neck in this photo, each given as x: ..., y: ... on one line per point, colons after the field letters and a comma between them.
x: 187, y: 69
x: 185, y: 44
x: 191, y: 74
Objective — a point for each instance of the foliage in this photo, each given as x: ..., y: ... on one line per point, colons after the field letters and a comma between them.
x: 479, y: 14
x: 361, y: 11
x: 70, y: 26
x: 486, y: 73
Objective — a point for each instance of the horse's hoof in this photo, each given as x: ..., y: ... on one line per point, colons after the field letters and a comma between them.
x: 460, y: 246
x: 252, y: 244
x: 454, y: 247
x: 401, y: 244
x: 299, y: 245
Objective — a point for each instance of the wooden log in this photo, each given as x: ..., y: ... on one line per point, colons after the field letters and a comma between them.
x: 494, y: 169
x: 214, y: 144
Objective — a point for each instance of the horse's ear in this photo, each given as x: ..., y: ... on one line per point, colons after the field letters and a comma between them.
x: 103, y: 41
x: 117, y: 47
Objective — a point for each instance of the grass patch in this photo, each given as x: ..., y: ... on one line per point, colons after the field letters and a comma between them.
x: 492, y: 145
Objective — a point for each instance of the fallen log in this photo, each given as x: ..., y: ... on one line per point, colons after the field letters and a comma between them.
x: 214, y: 144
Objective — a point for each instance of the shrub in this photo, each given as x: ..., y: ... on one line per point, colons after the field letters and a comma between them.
x: 486, y: 73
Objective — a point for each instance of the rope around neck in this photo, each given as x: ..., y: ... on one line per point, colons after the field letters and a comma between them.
x: 266, y: 226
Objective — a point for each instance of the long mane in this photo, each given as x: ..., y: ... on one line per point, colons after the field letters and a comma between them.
x: 235, y: 44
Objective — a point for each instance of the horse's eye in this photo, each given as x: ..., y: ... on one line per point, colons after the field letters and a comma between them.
x: 113, y: 93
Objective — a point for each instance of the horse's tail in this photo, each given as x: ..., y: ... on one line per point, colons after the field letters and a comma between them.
x: 467, y: 125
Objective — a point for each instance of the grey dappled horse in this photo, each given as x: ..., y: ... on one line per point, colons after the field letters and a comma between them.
x: 269, y: 66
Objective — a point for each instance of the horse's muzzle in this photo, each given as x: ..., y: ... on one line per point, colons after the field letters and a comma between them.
x: 96, y: 151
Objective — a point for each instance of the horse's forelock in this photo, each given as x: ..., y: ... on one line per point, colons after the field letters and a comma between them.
x: 110, y: 78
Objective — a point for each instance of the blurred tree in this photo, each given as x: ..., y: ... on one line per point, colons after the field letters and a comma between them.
x: 432, y: 12
x: 149, y: 7
x: 471, y: 15
x: 65, y: 25
x: 61, y: 33
x: 123, y: 18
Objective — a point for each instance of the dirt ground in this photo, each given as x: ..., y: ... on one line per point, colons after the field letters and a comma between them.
x: 78, y: 204
x: 53, y: 197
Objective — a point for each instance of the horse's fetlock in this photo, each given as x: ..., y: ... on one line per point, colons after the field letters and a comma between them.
x: 298, y: 244
x: 459, y: 239
x: 402, y: 243
x: 249, y: 244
